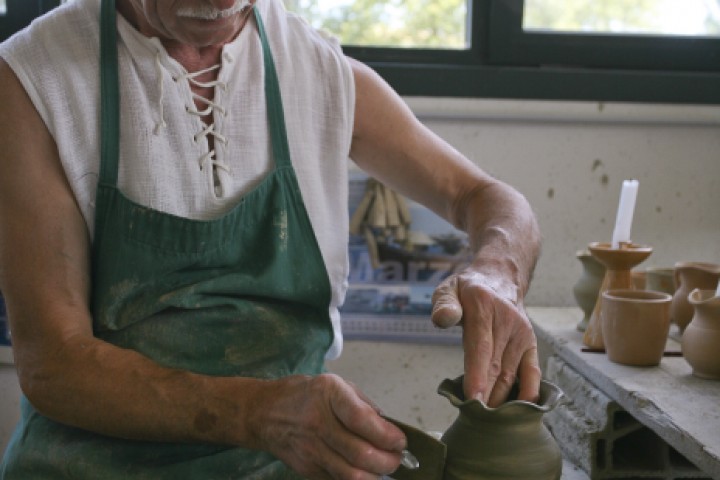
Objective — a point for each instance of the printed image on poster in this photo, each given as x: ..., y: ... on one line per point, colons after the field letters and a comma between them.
x: 399, y: 252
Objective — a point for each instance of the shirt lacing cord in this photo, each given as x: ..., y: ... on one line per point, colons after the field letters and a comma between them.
x: 211, y: 106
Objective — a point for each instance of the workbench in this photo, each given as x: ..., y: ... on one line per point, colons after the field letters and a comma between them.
x: 676, y: 407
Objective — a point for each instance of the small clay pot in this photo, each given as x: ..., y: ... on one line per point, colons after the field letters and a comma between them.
x: 660, y: 279
x: 619, y: 263
x: 635, y: 326
x: 701, y: 339
x: 587, y: 287
x: 639, y: 279
x: 507, y: 442
x: 689, y: 276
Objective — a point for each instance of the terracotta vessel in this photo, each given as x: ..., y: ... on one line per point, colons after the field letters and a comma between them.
x: 587, y: 287
x: 689, y: 276
x: 639, y: 279
x: 635, y: 326
x: 701, y: 339
x: 660, y: 279
x: 619, y: 263
x: 507, y: 442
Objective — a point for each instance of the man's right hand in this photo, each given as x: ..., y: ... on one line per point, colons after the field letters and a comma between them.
x: 324, y: 428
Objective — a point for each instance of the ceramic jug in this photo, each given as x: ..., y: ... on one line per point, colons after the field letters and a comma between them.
x: 701, y: 339
x: 509, y: 441
x: 483, y: 443
x: 689, y: 276
x: 588, y: 285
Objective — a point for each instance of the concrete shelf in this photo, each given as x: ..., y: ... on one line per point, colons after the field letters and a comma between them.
x: 628, y: 422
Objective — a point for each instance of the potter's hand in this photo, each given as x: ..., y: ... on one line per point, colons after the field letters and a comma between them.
x: 498, y: 339
x: 325, y: 428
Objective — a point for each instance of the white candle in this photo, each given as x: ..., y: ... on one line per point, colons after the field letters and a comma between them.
x: 626, y: 207
x: 717, y: 292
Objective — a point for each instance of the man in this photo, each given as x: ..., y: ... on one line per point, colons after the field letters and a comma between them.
x: 173, y: 244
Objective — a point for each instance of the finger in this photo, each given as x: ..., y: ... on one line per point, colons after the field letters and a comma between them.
x: 530, y: 376
x: 505, y: 380
x: 361, y: 419
x: 478, y: 345
x: 446, y: 310
x: 360, y: 458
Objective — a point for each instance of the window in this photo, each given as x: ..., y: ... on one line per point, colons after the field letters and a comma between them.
x: 649, y: 17
x: 16, y: 14
x: 665, y: 51
x: 383, y: 23
x: 662, y: 51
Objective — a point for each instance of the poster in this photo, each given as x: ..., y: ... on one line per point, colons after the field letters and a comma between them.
x: 395, y: 267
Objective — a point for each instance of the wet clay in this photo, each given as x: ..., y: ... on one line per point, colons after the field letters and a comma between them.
x: 507, y: 442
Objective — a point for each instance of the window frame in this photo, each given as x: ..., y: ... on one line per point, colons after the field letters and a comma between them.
x: 503, y: 61
x: 20, y: 13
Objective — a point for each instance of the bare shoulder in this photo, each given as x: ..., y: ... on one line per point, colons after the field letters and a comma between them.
x: 20, y: 122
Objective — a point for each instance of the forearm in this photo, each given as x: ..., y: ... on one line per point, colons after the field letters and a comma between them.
x: 504, y: 235
x: 96, y: 386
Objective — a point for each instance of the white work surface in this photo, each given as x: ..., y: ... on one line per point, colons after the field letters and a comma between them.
x: 682, y: 409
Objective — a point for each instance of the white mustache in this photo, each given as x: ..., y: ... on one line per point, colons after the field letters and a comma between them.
x: 207, y: 12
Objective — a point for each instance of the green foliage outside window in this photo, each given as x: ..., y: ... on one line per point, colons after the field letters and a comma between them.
x: 394, y: 23
x: 443, y: 23
x: 693, y: 17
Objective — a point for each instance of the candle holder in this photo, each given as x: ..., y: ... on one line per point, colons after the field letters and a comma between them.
x: 618, y: 265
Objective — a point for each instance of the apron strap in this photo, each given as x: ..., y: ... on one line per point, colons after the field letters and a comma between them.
x: 110, y: 97
x: 273, y: 101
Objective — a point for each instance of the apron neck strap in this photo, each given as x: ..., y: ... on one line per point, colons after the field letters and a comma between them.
x: 110, y: 97
x: 109, y: 94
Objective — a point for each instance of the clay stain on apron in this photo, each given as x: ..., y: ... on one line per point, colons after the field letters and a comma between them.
x: 281, y: 222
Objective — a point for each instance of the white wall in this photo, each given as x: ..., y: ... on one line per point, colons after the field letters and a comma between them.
x: 570, y: 159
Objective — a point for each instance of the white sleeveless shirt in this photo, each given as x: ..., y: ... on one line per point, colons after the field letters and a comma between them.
x: 162, y: 147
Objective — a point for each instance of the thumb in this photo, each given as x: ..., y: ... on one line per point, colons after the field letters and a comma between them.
x: 446, y: 311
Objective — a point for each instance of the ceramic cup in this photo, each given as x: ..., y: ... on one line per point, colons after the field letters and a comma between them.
x: 660, y: 279
x: 635, y: 325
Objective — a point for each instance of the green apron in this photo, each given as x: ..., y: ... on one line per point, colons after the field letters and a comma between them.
x: 246, y: 294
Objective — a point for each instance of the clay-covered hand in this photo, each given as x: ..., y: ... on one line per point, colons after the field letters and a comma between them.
x: 499, y: 342
x: 324, y: 428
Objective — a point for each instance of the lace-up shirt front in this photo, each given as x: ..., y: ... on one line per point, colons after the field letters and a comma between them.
x: 190, y: 155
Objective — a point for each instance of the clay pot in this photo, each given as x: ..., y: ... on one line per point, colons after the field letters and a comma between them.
x: 635, y: 326
x: 701, y: 339
x: 507, y: 442
x: 618, y: 266
x: 689, y: 276
x: 586, y: 289
x: 660, y: 279
x: 4, y: 327
x: 639, y: 279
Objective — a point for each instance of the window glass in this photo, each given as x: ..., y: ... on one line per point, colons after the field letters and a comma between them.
x: 389, y: 23
x: 642, y: 17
